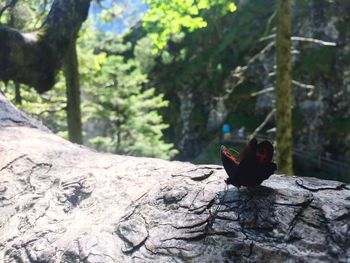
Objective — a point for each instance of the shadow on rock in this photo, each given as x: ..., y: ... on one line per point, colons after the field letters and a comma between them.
x: 251, y: 207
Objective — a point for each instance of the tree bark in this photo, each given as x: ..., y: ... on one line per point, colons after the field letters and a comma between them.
x: 60, y: 202
x: 283, y: 88
x: 12, y: 23
x: 71, y: 73
x: 18, y: 97
x: 35, y: 58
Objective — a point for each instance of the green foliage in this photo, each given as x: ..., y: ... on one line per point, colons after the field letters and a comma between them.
x: 169, y: 17
x: 25, y: 15
x: 116, y: 98
x: 138, y: 129
x: 198, y: 119
x: 241, y: 119
x: 143, y: 54
x: 121, y: 102
x: 48, y: 108
x: 109, y: 14
x: 316, y: 62
x: 339, y: 125
x: 297, y: 118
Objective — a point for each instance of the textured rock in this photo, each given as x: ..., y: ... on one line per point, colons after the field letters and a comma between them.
x: 10, y: 116
x: 61, y: 202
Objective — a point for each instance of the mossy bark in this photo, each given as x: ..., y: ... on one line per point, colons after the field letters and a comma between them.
x: 71, y: 73
x: 283, y: 88
x: 18, y: 97
x: 12, y: 23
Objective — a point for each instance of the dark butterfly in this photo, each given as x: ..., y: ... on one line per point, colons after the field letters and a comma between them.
x: 252, y: 167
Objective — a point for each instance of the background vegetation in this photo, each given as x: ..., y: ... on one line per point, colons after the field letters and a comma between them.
x: 160, y: 78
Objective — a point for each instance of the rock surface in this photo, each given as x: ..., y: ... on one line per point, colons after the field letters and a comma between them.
x: 60, y: 202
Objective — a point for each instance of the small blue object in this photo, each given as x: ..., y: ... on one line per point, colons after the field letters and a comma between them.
x: 226, y: 128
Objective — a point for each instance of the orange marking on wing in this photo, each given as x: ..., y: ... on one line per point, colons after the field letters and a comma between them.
x: 230, y: 156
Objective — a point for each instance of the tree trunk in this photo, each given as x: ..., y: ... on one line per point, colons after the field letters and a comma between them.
x: 12, y: 23
x: 284, y: 96
x: 71, y: 73
x: 35, y: 58
x: 63, y: 203
x: 18, y: 97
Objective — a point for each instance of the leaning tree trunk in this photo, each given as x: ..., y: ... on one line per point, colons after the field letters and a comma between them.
x: 283, y: 100
x: 60, y: 202
x: 35, y: 58
x: 71, y: 73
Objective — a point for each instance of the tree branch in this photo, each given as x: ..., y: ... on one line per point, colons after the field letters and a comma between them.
x: 271, y: 89
x: 49, y: 111
x: 9, y: 5
x: 302, y: 85
x: 263, y: 91
x: 313, y: 40
x: 268, y: 117
x: 302, y: 39
x: 35, y: 58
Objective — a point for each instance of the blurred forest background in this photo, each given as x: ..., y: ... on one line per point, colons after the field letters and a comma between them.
x: 159, y: 83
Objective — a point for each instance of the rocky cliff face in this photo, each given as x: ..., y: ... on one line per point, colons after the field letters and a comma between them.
x: 60, y: 202
x: 320, y: 59
x: 219, y: 54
